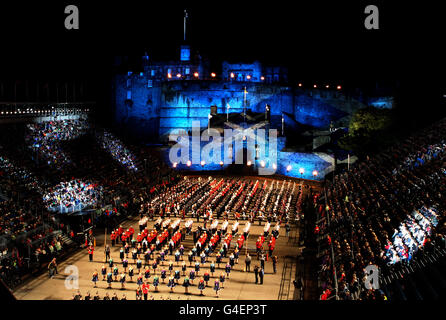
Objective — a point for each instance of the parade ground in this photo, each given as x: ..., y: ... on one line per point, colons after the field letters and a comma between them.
x: 240, y: 285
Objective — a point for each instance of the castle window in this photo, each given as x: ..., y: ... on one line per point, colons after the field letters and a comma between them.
x: 129, y: 95
x: 187, y: 71
x: 152, y: 72
x: 149, y: 83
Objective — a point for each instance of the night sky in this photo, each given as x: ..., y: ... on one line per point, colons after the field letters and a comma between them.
x: 316, y: 40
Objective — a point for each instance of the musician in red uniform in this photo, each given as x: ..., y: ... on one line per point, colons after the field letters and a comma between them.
x: 90, y: 253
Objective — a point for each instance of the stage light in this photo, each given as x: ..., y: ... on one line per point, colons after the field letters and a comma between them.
x: 314, y: 86
x: 262, y: 78
x: 327, y: 86
x: 300, y: 84
x: 262, y: 164
x: 202, y: 163
x: 301, y: 171
x: 248, y: 77
x: 178, y: 75
x: 339, y: 87
x: 174, y: 164
x: 232, y: 75
x: 189, y: 163
x: 249, y: 163
x: 213, y: 75
x: 315, y: 173
x: 274, y: 166
x: 196, y: 74
x: 288, y: 168
x: 221, y: 163
x: 169, y: 75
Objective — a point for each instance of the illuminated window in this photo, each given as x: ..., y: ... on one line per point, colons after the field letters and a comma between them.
x: 129, y: 95
x: 187, y: 71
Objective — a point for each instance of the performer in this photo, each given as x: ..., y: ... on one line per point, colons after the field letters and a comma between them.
x: 232, y: 260
x: 186, y: 285
x: 170, y: 267
x: 109, y: 279
x: 228, y: 269
x: 96, y: 296
x: 163, y: 275
x: 126, y: 250
x: 147, y: 273
x: 192, y: 276
x: 125, y: 264
x: 201, y: 286
x: 212, y: 267
x: 171, y: 284
x: 183, y: 268
x: 197, y: 268
x: 222, y: 279
x: 236, y: 254
x: 147, y: 257
x: 177, y: 256
x: 134, y: 255
x: 216, y: 287
x: 218, y: 258
x: 154, y: 266
x: 115, y: 272
x: 107, y: 252
x: 145, y: 289
x: 177, y: 275
x: 138, y: 293
x: 156, y: 282
x: 95, y: 278
x: 191, y: 258
x: 203, y: 258
x: 131, y: 273
x: 90, y: 253
x: 122, y: 281
x: 121, y: 254
x: 139, y: 280
x: 206, y: 277
x: 139, y: 264
x: 110, y: 263
x: 104, y: 272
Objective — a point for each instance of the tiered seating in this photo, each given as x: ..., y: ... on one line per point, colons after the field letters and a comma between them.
x: 388, y: 211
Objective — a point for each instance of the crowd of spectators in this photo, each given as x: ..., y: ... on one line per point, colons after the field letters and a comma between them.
x: 117, y: 149
x: 45, y: 138
x: 386, y: 210
x: 72, y: 196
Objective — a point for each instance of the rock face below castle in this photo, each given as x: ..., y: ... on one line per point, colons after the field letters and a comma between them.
x: 155, y: 108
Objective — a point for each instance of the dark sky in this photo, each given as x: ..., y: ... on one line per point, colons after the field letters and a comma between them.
x: 316, y: 40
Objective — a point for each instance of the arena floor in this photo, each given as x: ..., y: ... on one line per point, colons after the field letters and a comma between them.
x: 240, y: 286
